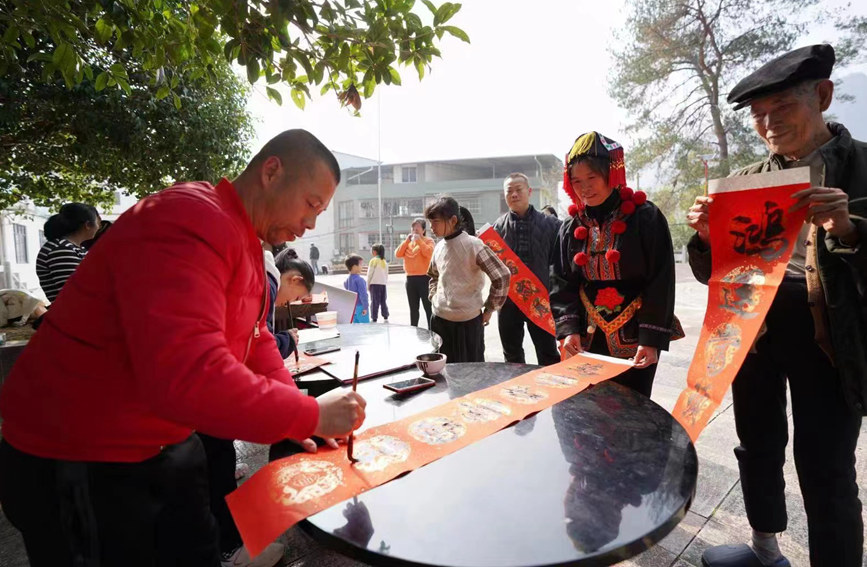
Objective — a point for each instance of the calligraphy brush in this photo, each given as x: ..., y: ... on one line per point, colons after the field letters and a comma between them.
x: 292, y: 326
x: 351, y: 434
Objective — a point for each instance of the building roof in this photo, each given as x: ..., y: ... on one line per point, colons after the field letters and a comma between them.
x: 526, y: 162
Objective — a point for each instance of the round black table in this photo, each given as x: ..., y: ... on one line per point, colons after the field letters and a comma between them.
x: 594, y: 480
x: 382, y: 347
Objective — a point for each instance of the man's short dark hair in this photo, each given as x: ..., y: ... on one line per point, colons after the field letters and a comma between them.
x: 353, y: 260
x: 299, y: 150
x: 444, y: 207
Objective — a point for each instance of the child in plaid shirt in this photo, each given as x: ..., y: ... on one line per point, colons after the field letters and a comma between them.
x: 457, y: 270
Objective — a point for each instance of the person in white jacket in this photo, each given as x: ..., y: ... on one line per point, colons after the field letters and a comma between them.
x: 377, y: 278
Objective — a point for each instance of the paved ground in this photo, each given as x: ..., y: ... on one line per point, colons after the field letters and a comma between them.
x: 717, y: 515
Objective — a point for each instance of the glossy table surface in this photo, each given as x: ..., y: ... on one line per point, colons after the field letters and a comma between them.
x: 594, y: 480
x: 382, y: 347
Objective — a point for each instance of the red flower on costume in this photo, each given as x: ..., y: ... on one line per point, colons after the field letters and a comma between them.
x: 609, y: 298
x: 626, y: 193
x: 639, y: 198
x: 618, y: 227
x: 580, y: 259
x: 612, y: 256
x: 580, y: 232
x: 573, y: 210
x: 627, y: 207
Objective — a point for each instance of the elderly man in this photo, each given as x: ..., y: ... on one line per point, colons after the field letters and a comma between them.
x: 99, y: 462
x: 531, y: 235
x: 816, y: 328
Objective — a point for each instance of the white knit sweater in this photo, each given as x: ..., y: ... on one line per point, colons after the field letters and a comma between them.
x: 458, y: 295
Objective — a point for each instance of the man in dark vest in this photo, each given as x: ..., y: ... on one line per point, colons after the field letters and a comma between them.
x: 531, y: 235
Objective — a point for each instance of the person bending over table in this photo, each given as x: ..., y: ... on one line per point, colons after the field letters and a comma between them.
x: 100, y: 463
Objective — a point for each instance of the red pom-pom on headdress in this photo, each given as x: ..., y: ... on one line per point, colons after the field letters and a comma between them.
x: 618, y: 227
x: 626, y: 193
x: 580, y: 259
x: 612, y: 256
x: 573, y: 210
x: 639, y: 198
x: 627, y: 207
x: 580, y: 232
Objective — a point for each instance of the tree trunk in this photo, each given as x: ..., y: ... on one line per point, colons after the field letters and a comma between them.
x: 722, y: 139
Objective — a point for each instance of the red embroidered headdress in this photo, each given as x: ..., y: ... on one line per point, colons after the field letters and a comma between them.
x: 595, y: 144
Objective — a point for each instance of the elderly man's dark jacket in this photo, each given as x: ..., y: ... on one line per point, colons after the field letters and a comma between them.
x: 543, y: 233
x: 842, y: 270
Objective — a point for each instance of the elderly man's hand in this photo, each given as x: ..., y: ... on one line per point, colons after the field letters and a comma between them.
x: 828, y: 208
x: 697, y: 217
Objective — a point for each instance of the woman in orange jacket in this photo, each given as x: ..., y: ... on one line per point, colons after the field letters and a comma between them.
x: 416, y: 252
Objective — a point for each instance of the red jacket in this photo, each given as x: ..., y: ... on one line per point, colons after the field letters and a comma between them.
x: 159, y: 332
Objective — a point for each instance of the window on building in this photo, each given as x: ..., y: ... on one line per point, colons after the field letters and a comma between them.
x: 42, y: 240
x: 20, y: 234
x: 346, y: 243
x: 372, y: 238
x: 368, y: 208
x: 345, y: 214
x: 408, y: 173
x: 117, y: 198
x: 472, y: 204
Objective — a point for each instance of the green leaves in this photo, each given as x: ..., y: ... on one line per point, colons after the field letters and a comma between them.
x: 457, y: 32
x: 84, y: 144
x: 274, y: 95
x: 298, y: 98
x: 329, y: 42
x: 445, y: 13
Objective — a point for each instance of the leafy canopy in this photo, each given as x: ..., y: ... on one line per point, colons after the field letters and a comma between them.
x: 332, y: 44
x: 60, y: 144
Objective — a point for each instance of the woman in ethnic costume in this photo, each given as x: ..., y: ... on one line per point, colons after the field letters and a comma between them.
x: 613, y: 287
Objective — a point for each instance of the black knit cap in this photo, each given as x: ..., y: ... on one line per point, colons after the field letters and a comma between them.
x: 786, y: 71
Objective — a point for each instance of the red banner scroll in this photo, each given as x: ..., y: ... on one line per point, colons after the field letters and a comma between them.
x: 288, y: 490
x: 752, y: 238
x: 525, y: 289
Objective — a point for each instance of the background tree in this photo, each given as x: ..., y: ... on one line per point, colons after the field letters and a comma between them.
x: 346, y: 45
x: 677, y: 65
x: 62, y: 144
x: 678, y: 62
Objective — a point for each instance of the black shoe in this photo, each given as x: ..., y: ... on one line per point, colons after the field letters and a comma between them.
x: 736, y: 556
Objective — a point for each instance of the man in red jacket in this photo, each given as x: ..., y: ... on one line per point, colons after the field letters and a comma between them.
x: 159, y: 333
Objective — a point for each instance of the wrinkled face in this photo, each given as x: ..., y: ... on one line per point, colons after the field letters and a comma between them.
x: 292, y: 202
x: 785, y: 121
x: 517, y: 195
x: 443, y: 227
x: 292, y: 288
x: 589, y: 185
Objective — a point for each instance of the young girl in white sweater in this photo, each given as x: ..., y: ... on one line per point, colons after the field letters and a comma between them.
x: 457, y: 270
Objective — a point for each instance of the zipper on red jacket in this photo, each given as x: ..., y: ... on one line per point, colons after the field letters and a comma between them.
x: 255, y: 333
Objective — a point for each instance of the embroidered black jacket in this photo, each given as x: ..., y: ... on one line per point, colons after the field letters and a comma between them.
x: 644, y: 272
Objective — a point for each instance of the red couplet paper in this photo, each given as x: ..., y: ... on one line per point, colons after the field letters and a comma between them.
x: 305, y: 363
x: 752, y: 238
x: 288, y: 490
x: 525, y: 289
